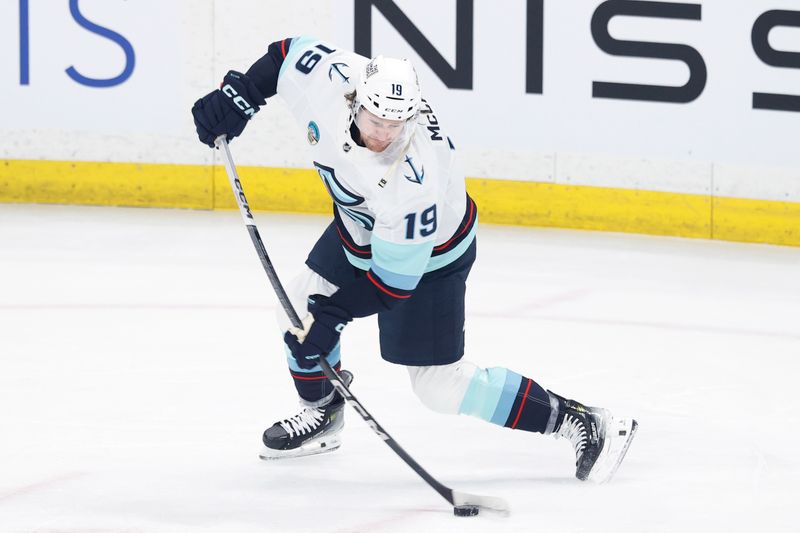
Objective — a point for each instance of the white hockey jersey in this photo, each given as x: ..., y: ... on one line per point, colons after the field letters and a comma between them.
x: 399, y: 216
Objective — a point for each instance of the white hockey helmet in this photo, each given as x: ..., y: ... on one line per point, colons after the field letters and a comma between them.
x: 389, y: 88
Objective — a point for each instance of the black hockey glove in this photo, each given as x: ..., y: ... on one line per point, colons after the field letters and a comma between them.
x: 322, y: 336
x: 227, y: 110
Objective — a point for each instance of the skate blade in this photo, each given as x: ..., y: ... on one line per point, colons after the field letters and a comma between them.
x: 621, y: 433
x: 317, y: 447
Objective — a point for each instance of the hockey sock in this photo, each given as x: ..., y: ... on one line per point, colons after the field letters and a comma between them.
x: 533, y: 409
x: 311, y: 384
x: 508, y: 399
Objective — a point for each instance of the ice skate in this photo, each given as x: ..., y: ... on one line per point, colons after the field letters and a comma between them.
x: 600, y: 440
x: 314, y: 430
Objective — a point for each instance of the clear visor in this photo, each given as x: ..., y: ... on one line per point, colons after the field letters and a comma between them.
x: 382, y: 135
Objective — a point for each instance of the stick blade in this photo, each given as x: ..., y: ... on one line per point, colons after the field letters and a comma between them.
x: 485, y: 503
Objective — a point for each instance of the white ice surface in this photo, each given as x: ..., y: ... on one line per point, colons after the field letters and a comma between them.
x: 139, y: 364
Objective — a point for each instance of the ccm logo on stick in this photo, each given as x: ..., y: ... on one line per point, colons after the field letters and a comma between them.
x: 242, y: 199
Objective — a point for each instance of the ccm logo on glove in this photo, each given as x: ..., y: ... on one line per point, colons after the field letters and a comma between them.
x: 226, y: 111
x: 240, y: 102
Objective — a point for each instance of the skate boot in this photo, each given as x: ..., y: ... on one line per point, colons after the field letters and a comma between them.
x: 600, y: 440
x: 315, y: 429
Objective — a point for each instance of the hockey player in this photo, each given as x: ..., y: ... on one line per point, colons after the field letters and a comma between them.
x: 401, y: 246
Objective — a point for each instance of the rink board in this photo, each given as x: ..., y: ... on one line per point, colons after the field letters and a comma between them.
x: 672, y: 118
x: 500, y: 201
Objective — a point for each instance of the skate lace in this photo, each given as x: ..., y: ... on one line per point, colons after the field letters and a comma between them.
x: 306, y: 420
x: 573, y: 430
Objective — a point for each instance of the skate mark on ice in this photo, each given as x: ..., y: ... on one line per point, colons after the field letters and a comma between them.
x: 134, y: 307
x: 518, y: 311
x: 39, y: 485
x: 390, y: 520
x: 714, y: 330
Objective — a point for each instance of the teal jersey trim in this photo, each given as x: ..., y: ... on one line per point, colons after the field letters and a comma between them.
x: 393, y: 279
x: 441, y: 261
x: 400, y: 265
x: 333, y: 359
x: 298, y: 43
x: 491, y: 394
x: 404, y: 259
x: 358, y: 262
x: 433, y: 263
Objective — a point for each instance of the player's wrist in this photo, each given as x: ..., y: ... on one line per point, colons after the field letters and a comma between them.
x: 241, y: 94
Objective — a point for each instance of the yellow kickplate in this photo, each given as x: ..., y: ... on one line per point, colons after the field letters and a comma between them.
x: 499, y: 201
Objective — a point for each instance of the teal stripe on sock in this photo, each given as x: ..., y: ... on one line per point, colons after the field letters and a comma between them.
x: 488, y: 394
x: 333, y: 359
x: 507, y: 398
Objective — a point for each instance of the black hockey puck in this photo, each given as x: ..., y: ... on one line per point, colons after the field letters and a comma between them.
x: 466, y: 510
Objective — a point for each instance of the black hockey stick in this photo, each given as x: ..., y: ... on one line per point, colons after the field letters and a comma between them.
x: 465, y: 504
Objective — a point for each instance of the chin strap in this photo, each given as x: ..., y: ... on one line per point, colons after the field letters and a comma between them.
x: 382, y: 183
